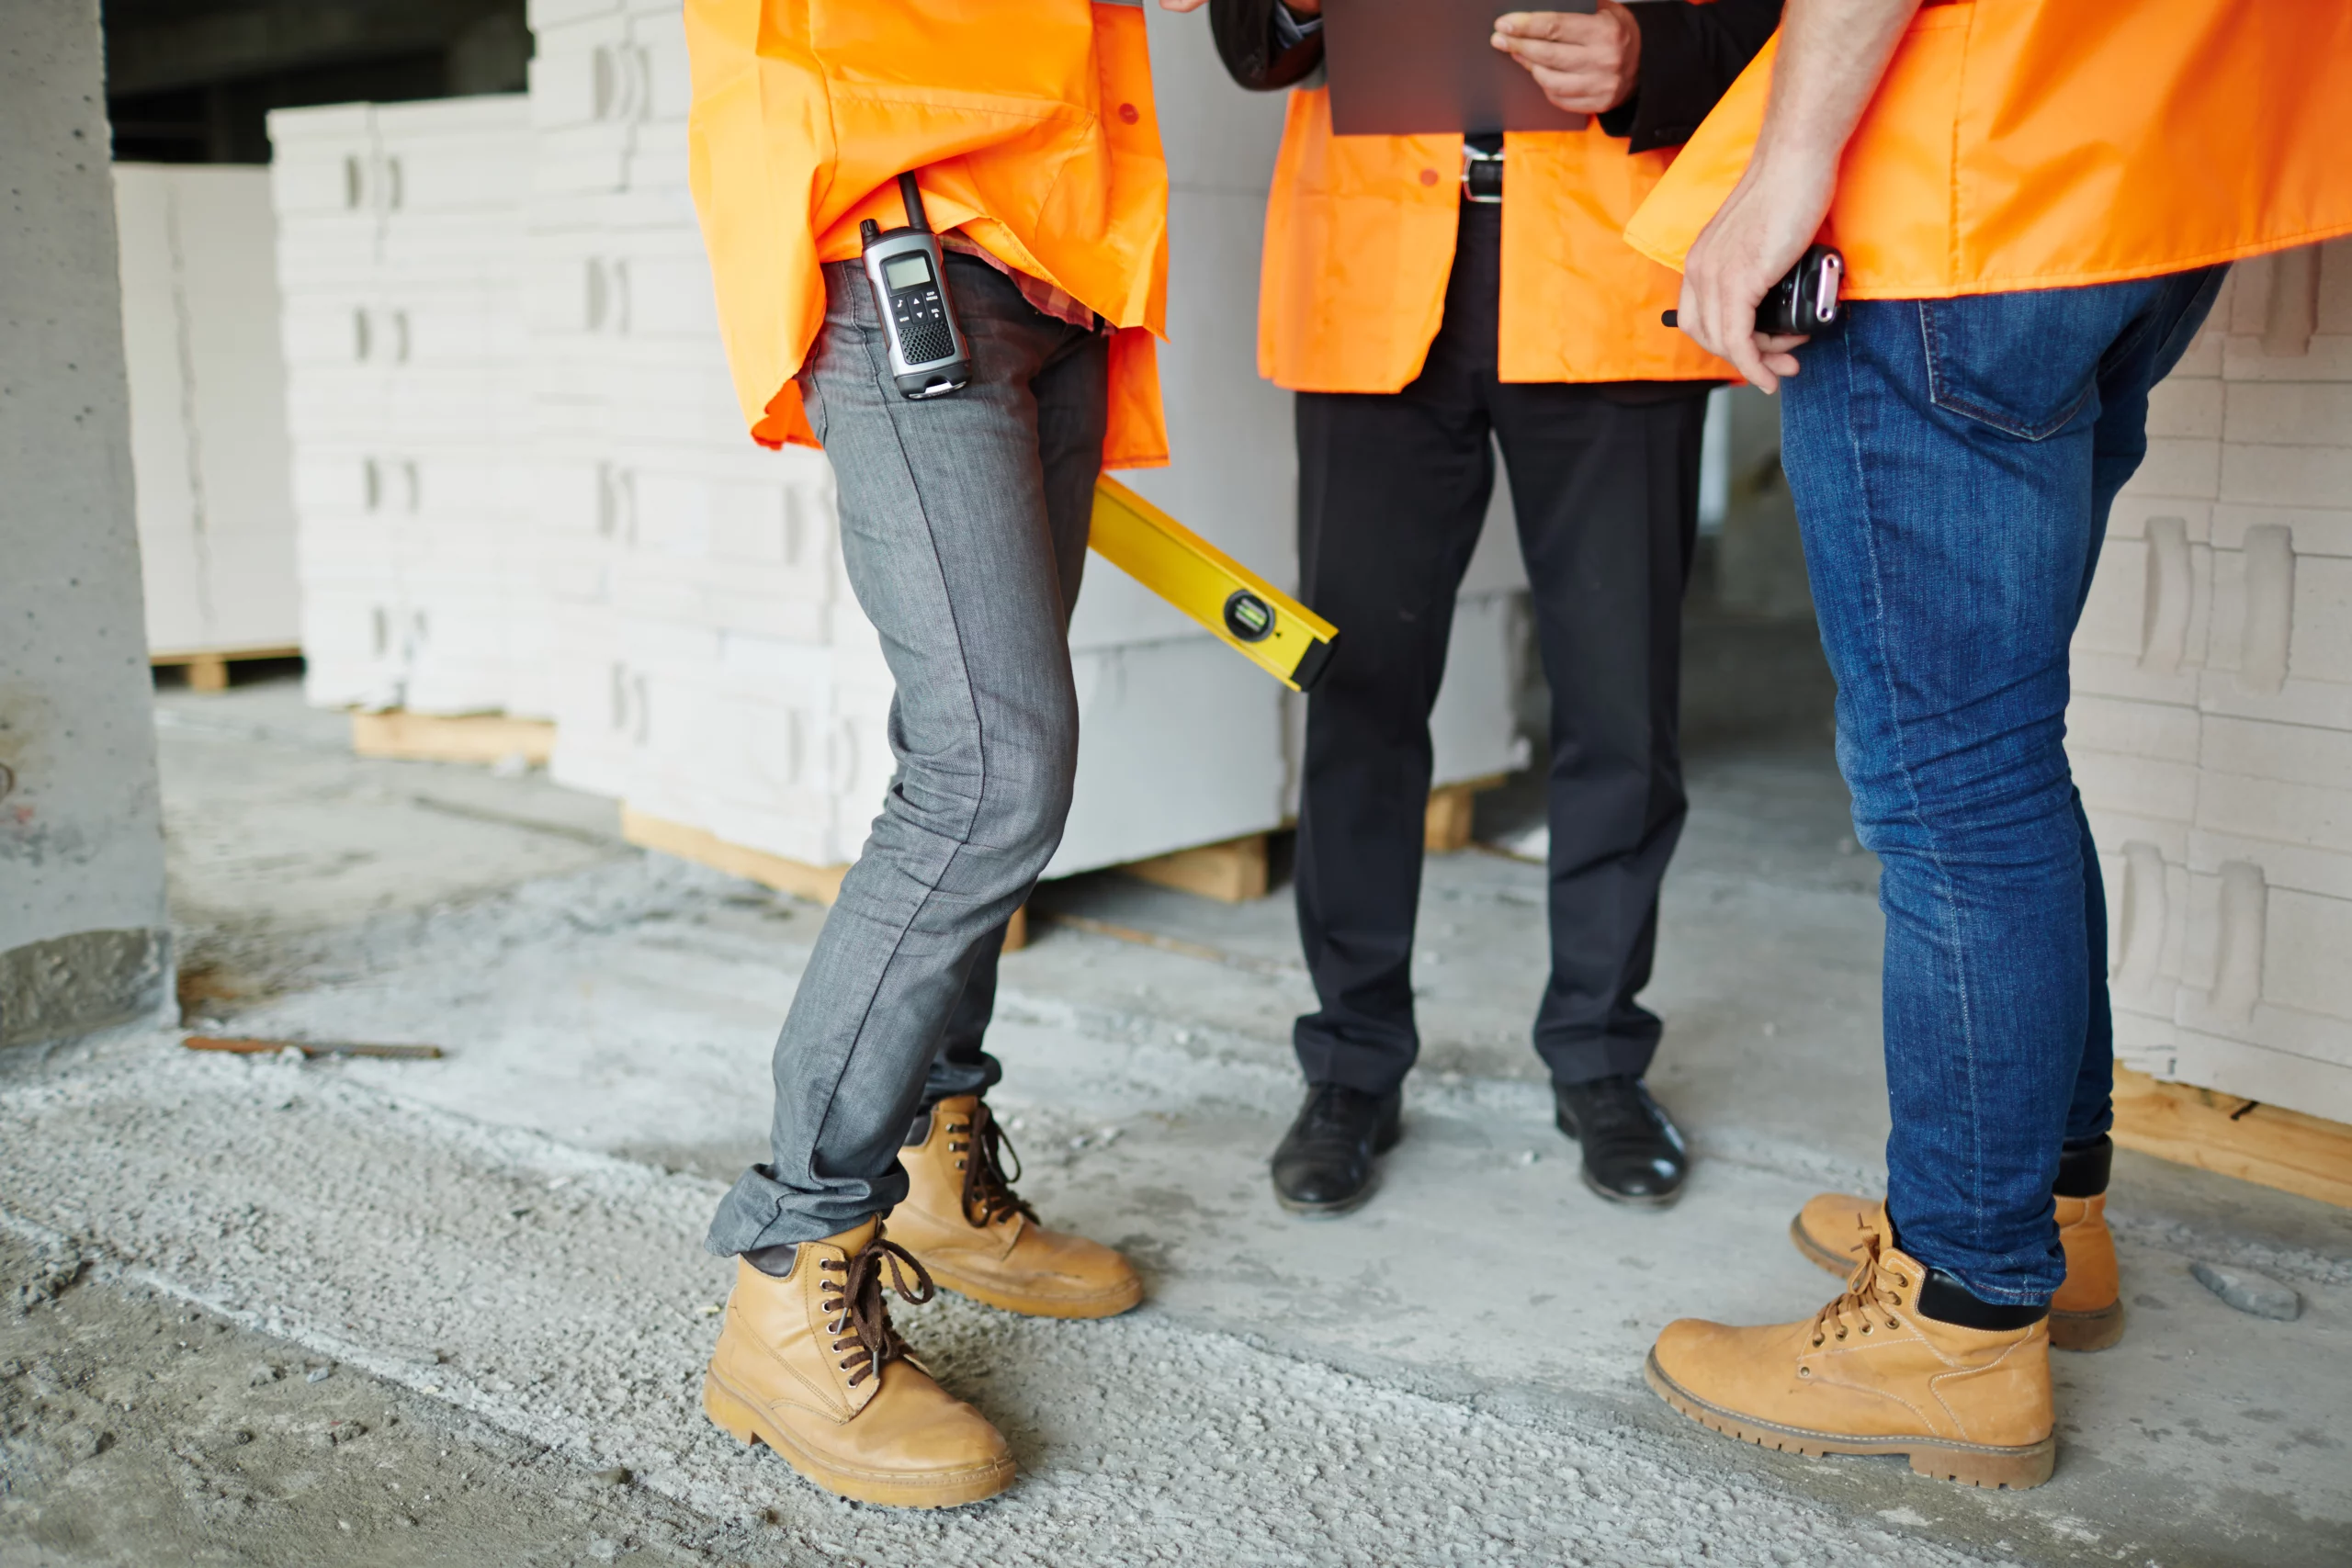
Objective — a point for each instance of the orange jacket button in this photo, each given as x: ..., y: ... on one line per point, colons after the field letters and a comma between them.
x: 1127, y: 115
x: 1429, y: 176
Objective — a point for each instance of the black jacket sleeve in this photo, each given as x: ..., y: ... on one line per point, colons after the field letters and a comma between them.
x: 1691, y: 56
x: 1244, y: 30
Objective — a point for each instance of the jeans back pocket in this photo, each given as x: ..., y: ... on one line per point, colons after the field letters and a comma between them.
x: 2027, y: 363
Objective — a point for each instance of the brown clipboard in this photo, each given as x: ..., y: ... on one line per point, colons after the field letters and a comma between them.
x: 1419, y: 67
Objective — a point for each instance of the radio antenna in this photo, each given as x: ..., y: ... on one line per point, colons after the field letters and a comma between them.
x: 912, y: 197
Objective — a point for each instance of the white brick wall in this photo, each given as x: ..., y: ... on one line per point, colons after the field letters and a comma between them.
x: 208, y: 407
x: 400, y: 273
x: 2211, y: 729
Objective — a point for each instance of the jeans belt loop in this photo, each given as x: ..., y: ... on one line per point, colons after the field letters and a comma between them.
x: 1471, y: 158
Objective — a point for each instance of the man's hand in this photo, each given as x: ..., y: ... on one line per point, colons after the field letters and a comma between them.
x: 1832, y: 54
x: 1182, y: 5
x: 1760, y: 231
x: 1584, y: 64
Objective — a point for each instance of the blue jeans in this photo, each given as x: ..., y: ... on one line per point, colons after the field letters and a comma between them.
x: 1953, y: 462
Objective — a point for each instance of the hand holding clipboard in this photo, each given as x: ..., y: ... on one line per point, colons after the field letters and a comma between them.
x: 1413, y: 67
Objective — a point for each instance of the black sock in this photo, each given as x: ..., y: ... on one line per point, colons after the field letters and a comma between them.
x: 2083, y: 1167
x: 1946, y: 1299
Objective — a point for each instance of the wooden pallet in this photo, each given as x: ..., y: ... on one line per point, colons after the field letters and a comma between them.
x: 486, y: 738
x: 208, y: 669
x: 1233, y: 872
x: 1446, y: 828
x: 818, y: 883
x: 2223, y: 1132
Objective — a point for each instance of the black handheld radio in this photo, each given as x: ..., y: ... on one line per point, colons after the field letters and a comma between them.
x: 1805, y: 303
x: 929, y: 356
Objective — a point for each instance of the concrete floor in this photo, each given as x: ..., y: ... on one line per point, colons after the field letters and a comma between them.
x: 505, y: 1243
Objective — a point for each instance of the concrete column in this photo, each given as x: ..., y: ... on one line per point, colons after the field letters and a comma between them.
x: 84, y: 939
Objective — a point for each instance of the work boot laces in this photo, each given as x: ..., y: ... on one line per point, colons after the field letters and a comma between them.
x: 980, y: 1149
x: 1872, y: 1297
x: 856, y: 1312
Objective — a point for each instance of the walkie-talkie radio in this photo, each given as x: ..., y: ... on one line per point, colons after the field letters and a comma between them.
x: 1805, y: 303
x: 929, y: 356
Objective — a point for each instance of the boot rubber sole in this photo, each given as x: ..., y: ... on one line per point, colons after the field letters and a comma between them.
x: 742, y: 1420
x: 1821, y: 1256
x: 1107, y: 1304
x: 1971, y: 1464
x: 2094, y: 1330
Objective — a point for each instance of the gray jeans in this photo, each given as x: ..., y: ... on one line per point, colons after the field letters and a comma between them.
x: 963, y: 526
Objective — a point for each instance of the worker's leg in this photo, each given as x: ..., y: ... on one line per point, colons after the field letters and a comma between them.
x: 1951, y: 461
x: 949, y: 546
x: 1071, y: 392
x: 1391, y: 492
x: 1606, y: 483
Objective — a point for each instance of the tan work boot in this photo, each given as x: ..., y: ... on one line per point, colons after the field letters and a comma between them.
x: 2087, y: 1313
x: 1871, y: 1374
x: 961, y: 1218
x: 810, y: 1365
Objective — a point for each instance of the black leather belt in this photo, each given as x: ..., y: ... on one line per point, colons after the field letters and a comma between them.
x: 1482, y: 169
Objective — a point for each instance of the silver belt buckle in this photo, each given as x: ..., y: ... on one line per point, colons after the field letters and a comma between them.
x: 1479, y: 155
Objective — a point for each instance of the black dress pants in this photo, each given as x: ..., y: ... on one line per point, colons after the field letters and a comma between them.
x: 1393, y: 488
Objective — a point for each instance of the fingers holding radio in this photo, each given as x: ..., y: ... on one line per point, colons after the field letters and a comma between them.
x: 1758, y: 235
x: 1778, y: 352
x: 1584, y: 64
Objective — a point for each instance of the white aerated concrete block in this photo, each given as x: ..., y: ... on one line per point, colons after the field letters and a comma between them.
x: 401, y: 246
x: 1473, y: 730
x: 2213, y: 673
x: 1180, y: 743
x: 2281, y: 641
x: 2147, y: 923
x: 208, y: 407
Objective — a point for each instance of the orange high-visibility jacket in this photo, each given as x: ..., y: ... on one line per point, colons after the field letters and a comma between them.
x: 1032, y: 128
x: 2020, y: 144
x: 1360, y: 240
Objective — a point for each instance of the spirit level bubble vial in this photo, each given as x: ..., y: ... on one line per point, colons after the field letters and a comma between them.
x: 1249, y: 615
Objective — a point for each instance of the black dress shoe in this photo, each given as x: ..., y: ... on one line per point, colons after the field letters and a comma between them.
x: 1324, y: 1165
x: 1633, y: 1150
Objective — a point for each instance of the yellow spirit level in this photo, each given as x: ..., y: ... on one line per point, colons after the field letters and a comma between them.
x: 1255, y: 618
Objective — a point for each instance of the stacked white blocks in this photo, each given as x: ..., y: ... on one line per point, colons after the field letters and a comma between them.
x: 208, y: 407
x: 703, y: 656
x: 2212, y: 724
x: 399, y: 252
x: 716, y: 672
x: 704, y: 674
